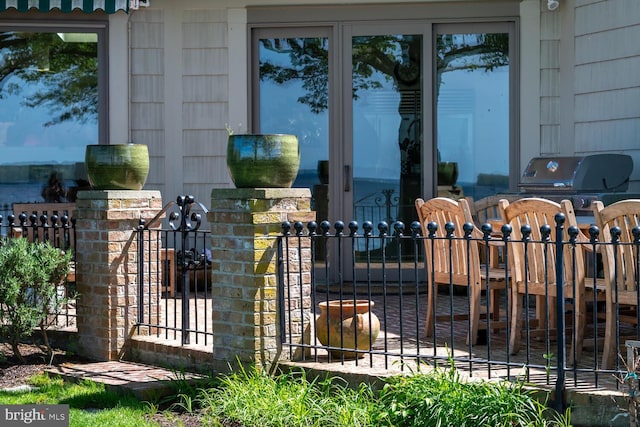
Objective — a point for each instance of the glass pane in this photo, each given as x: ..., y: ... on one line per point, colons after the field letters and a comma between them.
x: 387, y: 129
x: 473, y: 113
x: 294, y: 95
x: 48, y: 114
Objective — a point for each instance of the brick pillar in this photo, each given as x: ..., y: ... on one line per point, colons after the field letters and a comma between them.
x: 107, y: 257
x: 244, y: 224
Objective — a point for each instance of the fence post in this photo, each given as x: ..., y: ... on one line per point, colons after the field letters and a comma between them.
x: 245, y: 224
x: 107, y: 267
x: 560, y: 307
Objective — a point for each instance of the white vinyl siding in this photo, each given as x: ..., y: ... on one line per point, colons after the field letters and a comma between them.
x: 549, y: 82
x: 607, y: 81
x: 147, y: 80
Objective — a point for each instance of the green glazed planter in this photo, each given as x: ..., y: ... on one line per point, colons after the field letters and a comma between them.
x: 263, y: 161
x: 447, y: 173
x: 117, y: 166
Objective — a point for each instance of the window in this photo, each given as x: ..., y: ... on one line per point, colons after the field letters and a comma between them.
x: 50, y: 109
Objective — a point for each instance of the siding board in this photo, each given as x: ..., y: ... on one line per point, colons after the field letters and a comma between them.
x: 203, y: 115
x: 154, y: 139
x: 610, y: 75
x: 549, y: 83
x: 205, y: 15
x: 550, y: 54
x: 147, y: 88
x: 147, y: 116
x: 147, y: 61
x: 549, y: 25
x: 614, y: 135
x: 147, y: 35
x: 205, y: 170
x: 604, y: 16
x: 205, y: 61
x: 205, y: 34
x: 608, y: 45
x: 550, y: 137
x: 204, y: 88
x: 211, y: 143
x: 610, y: 105
x: 549, y: 110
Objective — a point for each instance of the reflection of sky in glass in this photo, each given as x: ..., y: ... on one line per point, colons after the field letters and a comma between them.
x: 281, y: 111
x: 473, y: 113
x: 480, y: 129
x: 376, y: 124
x: 25, y: 139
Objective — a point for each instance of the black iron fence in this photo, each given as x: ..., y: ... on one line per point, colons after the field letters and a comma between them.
x: 382, y: 304
x: 58, y: 229
x: 174, y: 299
x: 379, y: 281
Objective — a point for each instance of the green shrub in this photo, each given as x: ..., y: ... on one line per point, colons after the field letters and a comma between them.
x: 441, y: 398
x: 29, y: 277
x: 254, y: 398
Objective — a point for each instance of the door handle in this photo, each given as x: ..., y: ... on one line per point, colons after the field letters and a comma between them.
x: 347, y: 178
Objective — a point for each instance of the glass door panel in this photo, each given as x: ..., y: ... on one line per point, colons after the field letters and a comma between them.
x: 294, y: 98
x: 387, y: 130
x: 472, y: 112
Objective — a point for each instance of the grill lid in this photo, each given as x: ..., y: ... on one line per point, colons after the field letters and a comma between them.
x: 593, y: 173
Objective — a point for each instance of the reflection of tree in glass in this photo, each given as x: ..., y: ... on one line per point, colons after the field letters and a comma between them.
x: 309, y: 60
x: 65, y: 73
x: 309, y: 63
x: 396, y: 59
x: 471, y: 52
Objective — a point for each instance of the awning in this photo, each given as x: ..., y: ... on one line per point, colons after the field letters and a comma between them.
x: 87, y: 6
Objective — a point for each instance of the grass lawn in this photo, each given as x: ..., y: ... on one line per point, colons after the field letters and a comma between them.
x: 90, y: 403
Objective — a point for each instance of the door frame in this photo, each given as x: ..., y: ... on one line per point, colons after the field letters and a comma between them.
x: 340, y: 94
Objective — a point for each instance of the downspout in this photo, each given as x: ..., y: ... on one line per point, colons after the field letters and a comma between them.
x: 129, y: 59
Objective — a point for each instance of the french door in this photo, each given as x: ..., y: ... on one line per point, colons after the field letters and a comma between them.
x: 393, y: 112
x: 384, y: 130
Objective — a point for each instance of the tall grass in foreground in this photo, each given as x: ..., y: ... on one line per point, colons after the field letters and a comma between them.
x: 251, y: 397
x: 254, y: 398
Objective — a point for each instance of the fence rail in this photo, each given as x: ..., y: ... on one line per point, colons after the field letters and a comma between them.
x: 396, y: 292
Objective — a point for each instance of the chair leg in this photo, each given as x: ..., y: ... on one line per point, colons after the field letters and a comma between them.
x: 431, y: 301
x: 514, y: 333
x: 475, y: 314
x: 579, y: 325
x: 494, y: 308
x: 609, y: 351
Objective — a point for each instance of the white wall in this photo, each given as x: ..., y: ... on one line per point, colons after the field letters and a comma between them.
x: 607, y: 78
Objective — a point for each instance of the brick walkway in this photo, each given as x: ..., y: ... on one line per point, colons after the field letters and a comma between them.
x: 143, y: 381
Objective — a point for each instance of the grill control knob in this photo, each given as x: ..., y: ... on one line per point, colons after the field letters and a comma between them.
x: 584, y: 202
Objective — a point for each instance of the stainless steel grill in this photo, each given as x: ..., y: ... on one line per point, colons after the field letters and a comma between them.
x: 581, y: 179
